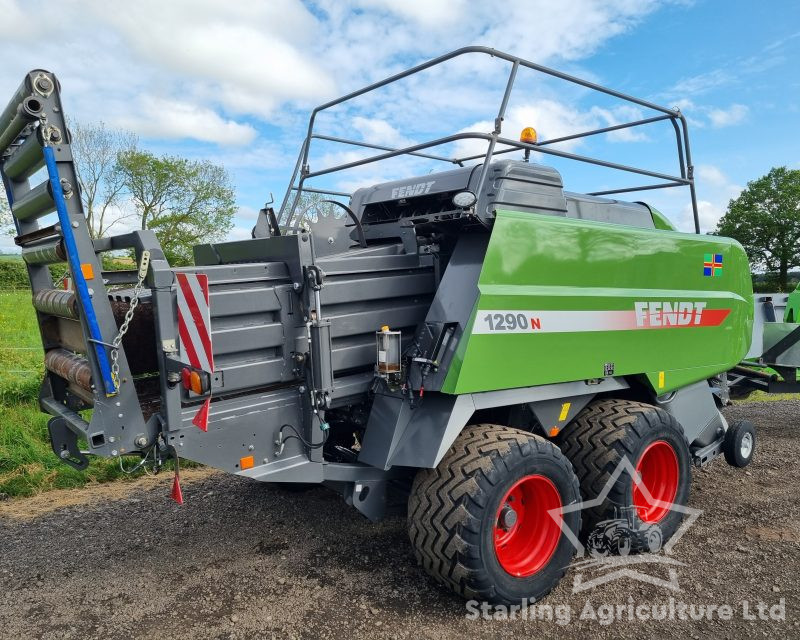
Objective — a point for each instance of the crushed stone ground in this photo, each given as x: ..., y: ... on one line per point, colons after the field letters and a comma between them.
x: 244, y: 560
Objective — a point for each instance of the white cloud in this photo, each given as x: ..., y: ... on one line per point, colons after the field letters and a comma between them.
x: 241, y: 233
x: 708, y: 213
x: 210, y: 70
x: 418, y: 29
x: 691, y: 112
x: 255, y: 58
x: 701, y: 83
x: 734, y: 114
x: 430, y: 13
x: 169, y: 119
x: 620, y: 115
x: 550, y: 118
x: 209, y: 57
x: 714, y: 190
x: 380, y: 132
x: 734, y: 72
x: 701, y: 116
x: 576, y: 29
x: 555, y: 119
x: 710, y: 175
x: 247, y: 213
x: 250, y: 53
x: 14, y: 24
x: 777, y: 44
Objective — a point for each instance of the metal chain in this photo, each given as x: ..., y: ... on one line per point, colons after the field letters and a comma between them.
x: 144, y: 265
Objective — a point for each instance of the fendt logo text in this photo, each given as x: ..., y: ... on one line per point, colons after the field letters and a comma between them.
x: 411, y: 190
x: 665, y: 314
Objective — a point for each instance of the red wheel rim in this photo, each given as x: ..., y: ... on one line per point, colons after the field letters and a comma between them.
x: 660, y: 473
x: 526, y: 545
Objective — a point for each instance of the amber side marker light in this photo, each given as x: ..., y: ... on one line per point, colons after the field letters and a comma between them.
x: 196, y: 381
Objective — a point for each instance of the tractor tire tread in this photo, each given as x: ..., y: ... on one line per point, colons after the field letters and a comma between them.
x: 444, y: 515
x: 599, y: 437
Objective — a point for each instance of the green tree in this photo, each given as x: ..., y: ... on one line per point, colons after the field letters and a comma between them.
x: 765, y: 219
x: 184, y: 202
x: 96, y: 149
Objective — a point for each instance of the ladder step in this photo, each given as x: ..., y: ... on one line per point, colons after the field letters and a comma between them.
x: 65, y: 333
x: 23, y: 92
x: 72, y: 368
x: 36, y: 203
x: 53, y: 231
x: 56, y: 302
x: 15, y: 117
x: 51, y: 252
x: 27, y: 159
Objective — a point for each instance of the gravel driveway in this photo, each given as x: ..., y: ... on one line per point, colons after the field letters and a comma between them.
x: 242, y: 560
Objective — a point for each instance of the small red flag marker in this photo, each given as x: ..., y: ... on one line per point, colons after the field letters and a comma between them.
x: 177, y: 494
x: 200, y: 419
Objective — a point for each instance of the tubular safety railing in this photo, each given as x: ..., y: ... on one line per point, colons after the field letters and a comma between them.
x: 302, y: 171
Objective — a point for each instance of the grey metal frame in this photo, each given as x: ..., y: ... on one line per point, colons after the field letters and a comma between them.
x: 686, y: 170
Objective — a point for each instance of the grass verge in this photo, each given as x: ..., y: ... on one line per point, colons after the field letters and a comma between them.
x: 27, y: 463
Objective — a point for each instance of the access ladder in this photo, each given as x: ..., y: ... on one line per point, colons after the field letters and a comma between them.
x: 84, y: 369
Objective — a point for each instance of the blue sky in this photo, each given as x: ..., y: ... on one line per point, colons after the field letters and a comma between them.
x: 234, y: 82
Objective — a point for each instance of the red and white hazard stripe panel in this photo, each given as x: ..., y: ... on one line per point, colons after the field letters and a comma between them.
x: 194, y: 320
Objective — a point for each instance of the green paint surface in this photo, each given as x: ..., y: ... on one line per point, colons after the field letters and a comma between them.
x: 547, y: 263
x: 792, y: 312
x: 660, y: 220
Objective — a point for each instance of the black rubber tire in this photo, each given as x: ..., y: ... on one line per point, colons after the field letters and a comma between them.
x: 731, y: 446
x: 597, y: 440
x: 452, y: 512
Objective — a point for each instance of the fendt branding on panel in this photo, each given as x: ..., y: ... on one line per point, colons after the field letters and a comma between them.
x: 411, y: 190
x: 645, y: 315
x: 675, y: 314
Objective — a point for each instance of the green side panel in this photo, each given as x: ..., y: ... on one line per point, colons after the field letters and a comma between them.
x: 564, y: 299
x: 792, y: 312
x: 660, y: 220
x: 774, y: 332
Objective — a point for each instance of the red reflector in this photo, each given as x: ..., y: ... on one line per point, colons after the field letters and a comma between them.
x: 186, y: 378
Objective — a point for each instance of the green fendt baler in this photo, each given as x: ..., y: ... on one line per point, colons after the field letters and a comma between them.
x: 526, y: 363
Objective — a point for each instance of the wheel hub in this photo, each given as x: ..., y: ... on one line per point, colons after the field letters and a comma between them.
x: 659, y: 475
x: 508, y: 517
x: 525, y: 533
x: 746, y: 446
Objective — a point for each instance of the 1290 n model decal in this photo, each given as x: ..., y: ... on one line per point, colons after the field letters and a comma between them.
x: 644, y: 315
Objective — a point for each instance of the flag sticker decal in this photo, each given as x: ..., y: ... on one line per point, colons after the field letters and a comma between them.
x: 712, y: 265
